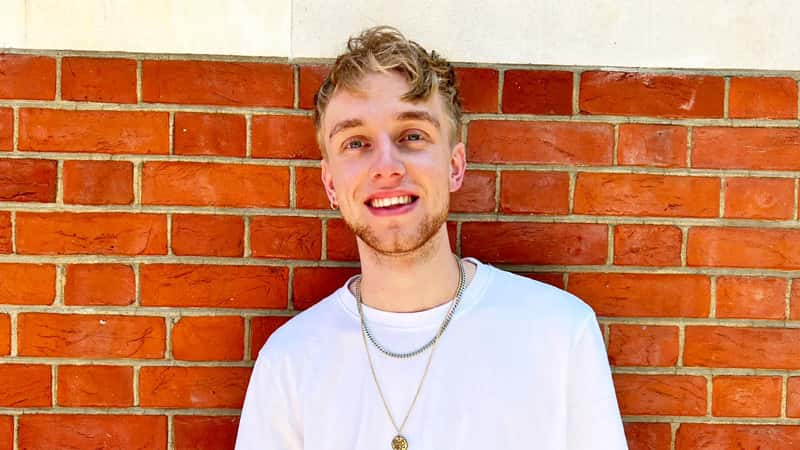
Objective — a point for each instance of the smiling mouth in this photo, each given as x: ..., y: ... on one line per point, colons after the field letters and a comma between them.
x: 388, y: 203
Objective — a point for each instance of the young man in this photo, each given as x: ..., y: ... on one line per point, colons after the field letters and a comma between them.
x: 423, y: 350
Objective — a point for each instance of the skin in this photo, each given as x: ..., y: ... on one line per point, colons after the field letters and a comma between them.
x: 378, y: 144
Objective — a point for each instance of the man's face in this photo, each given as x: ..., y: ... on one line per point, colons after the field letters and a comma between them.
x: 389, y: 163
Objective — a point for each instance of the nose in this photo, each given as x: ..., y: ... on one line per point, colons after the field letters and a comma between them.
x: 387, y: 164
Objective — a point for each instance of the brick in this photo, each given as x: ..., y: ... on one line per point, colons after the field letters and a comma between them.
x: 98, y: 79
x: 476, y: 193
x: 745, y: 347
x: 309, y: 193
x: 5, y: 335
x: 200, y: 285
x: 27, y: 77
x: 49, y: 431
x: 748, y: 396
x: 116, y: 132
x: 218, y: 83
x: 212, y: 184
x: 286, y: 237
x: 794, y: 300
x: 310, y: 80
x: 28, y: 180
x: 646, y: 195
x: 648, y: 436
x: 99, y: 284
x: 505, y: 142
x: 652, y: 145
x: 759, y: 198
x: 667, y: 395
x: 312, y: 284
x: 91, y: 233
x: 99, y: 386
x: 746, y: 148
x: 27, y: 284
x: 6, y: 432
x: 6, y: 129
x: 551, y: 278
x: 743, y: 247
x: 341, y: 241
x: 643, y: 295
x: 25, y: 386
x: 90, y: 336
x: 5, y: 232
x: 751, y: 297
x: 793, y: 397
x: 655, y: 95
x: 193, y: 387
x: 537, y: 92
x: 647, y: 245
x: 191, y: 336
x: 210, y: 134
x: 477, y: 88
x: 534, y: 192
x: 98, y: 182
x: 278, y: 136
x: 261, y: 328
x: 643, y: 345
x: 535, y: 243
x: 205, y: 432
x: 693, y: 436
x: 207, y: 235
x: 763, y: 98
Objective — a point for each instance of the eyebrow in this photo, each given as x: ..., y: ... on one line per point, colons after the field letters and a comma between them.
x: 419, y: 115
x: 349, y: 123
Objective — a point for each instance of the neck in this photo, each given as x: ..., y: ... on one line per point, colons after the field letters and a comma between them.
x: 417, y: 281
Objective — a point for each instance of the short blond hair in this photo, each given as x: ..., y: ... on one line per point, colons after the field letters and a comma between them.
x: 383, y: 49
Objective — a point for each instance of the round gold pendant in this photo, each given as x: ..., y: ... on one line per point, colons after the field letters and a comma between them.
x: 399, y: 443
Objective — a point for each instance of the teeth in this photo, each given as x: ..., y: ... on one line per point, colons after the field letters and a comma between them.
x: 391, y: 201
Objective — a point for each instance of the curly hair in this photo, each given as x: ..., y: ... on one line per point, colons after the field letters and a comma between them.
x: 383, y: 49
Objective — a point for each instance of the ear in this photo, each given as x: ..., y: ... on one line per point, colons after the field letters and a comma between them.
x: 327, y: 180
x: 458, y: 166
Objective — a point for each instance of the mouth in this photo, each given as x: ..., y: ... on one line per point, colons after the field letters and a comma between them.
x: 396, y: 204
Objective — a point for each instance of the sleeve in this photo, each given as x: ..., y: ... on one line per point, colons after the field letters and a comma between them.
x: 269, y: 416
x: 593, y: 417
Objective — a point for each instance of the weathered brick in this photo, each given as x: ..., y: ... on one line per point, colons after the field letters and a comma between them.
x: 552, y: 278
x: 652, y: 145
x: 6, y: 432
x: 794, y: 300
x: 218, y: 83
x: 309, y: 192
x: 643, y: 345
x: 193, y: 387
x: 27, y: 77
x: 643, y: 295
x: 215, y: 184
x: 310, y: 79
x: 191, y: 336
x: 49, y: 431
x: 312, y: 284
x: 278, y: 136
x: 743, y: 247
x: 98, y: 182
x: 28, y: 180
x: 793, y: 397
x: 99, y: 284
x: 90, y: 336
x: 91, y: 233
x: 286, y: 237
x: 129, y: 132
x: 341, y: 242
x: 98, y: 79
x: 5, y: 334
x: 477, y: 87
x: 692, y: 436
x: 207, y: 235
x: 746, y: 148
x: 647, y: 245
x: 99, y: 386
x: 210, y: 134
x: 749, y: 396
x: 746, y: 347
x: 260, y: 330
x: 505, y: 142
x: 27, y: 284
x: 759, y: 198
x: 537, y: 92
x: 5, y: 232
x: 763, y: 98
x: 205, y: 432
x: 751, y: 297
x: 534, y: 192
x: 476, y: 193
x: 535, y: 243
x: 25, y: 386
x: 647, y: 94
x: 648, y: 436
x: 6, y: 129
x: 214, y: 286
x: 668, y: 395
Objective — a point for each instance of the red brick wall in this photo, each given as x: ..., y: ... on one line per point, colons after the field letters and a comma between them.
x: 160, y: 217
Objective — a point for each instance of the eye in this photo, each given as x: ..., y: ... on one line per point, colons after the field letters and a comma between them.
x: 354, y: 144
x: 413, y: 136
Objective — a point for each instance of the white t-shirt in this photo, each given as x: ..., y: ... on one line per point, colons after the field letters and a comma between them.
x: 521, y: 366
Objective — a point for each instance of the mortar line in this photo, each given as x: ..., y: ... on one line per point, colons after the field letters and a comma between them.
x: 247, y: 250
x: 169, y: 321
x: 497, y: 189
x: 673, y: 434
x: 15, y: 129
x: 13, y: 219
x: 296, y: 86
x: 12, y: 315
x: 615, y: 150
x: 138, y: 167
x: 15, y: 435
x: 726, y: 98
x: 788, y: 299
x: 248, y: 124
x: 169, y: 235
x: 689, y: 134
x: 171, y: 132
x: 458, y: 239
x: 796, y: 199
x: 54, y: 387
x: 248, y: 333
x: 292, y: 188
x: 610, y: 249
x: 170, y: 431
x: 576, y: 92
x: 722, y: 181
x: 324, y: 251
x: 137, y: 285
x: 709, y: 396
x: 138, y: 81
x: 136, y: 385
x: 501, y: 80
x: 290, y: 289
x: 712, y: 307
x: 797, y: 115
x: 60, y: 182
x: 784, y: 395
x: 684, y: 243
x: 58, y: 78
x: 573, y: 179
x: 681, y: 344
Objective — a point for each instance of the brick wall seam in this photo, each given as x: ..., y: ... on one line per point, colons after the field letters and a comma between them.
x: 727, y: 96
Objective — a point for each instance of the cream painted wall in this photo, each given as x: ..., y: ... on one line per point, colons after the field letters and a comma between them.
x: 738, y: 34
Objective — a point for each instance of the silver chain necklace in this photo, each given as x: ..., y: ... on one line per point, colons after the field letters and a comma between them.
x: 453, y: 305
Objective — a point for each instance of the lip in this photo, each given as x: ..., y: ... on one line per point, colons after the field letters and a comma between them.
x: 384, y: 212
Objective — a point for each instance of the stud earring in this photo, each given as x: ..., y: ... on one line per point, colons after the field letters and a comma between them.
x: 334, y: 205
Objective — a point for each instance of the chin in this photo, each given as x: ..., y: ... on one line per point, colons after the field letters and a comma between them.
x: 396, y: 242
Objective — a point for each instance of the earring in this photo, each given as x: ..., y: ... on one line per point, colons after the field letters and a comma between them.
x: 334, y: 205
